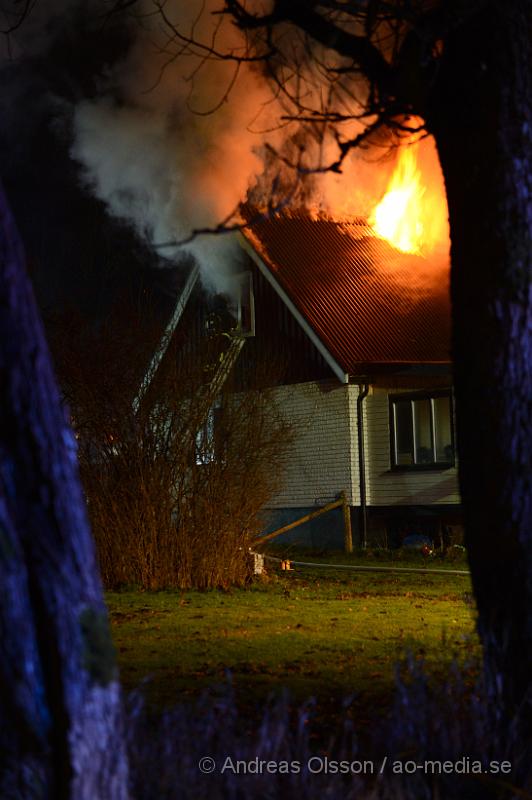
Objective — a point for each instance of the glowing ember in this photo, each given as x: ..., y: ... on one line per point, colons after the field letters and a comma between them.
x: 411, y: 218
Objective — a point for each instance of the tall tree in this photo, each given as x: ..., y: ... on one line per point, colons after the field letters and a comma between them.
x: 60, y: 704
x: 464, y: 69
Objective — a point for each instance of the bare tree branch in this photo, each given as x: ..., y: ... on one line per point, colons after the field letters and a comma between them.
x: 227, y: 226
x: 19, y: 16
x: 209, y: 50
x: 322, y: 30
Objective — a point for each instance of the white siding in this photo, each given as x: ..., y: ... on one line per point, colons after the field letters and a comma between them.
x: 387, y: 487
x: 321, y: 461
x: 324, y: 458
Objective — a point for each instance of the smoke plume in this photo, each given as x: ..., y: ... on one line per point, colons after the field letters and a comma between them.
x: 171, y: 135
x: 172, y: 142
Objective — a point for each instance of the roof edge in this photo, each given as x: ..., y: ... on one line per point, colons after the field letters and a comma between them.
x: 361, y: 367
x: 298, y: 316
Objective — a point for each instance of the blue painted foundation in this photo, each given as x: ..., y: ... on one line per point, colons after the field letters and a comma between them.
x: 395, y: 522
x: 326, y: 531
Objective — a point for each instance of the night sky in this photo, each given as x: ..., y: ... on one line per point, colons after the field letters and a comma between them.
x: 79, y: 256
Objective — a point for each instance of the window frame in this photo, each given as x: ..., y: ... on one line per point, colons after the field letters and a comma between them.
x: 207, y: 448
x: 412, y: 396
x: 241, y: 299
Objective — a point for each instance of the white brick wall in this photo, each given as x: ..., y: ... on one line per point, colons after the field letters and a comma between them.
x: 321, y: 463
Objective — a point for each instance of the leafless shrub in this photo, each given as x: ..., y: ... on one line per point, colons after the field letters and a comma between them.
x: 174, y: 487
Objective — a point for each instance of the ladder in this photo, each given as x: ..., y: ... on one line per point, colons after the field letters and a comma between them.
x: 226, y: 363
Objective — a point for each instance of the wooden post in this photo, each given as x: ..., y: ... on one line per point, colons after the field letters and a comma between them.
x: 348, y: 536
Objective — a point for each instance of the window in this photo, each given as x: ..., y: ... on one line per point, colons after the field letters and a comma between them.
x: 205, y: 448
x: 241, y: 303
x: 208, y: 446
x: 421, y: 431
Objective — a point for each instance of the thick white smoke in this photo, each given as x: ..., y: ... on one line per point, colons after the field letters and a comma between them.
x: 172, y: 143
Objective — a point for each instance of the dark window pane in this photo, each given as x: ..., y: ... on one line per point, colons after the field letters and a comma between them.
x: 205, y: 440
x: 404, y: 441
x: 246, y: 305
x: 442, y: 429
x: 422, y: 432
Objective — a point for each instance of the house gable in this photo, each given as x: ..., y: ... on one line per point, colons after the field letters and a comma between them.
x: 287, y: 314
x: 282, y: 340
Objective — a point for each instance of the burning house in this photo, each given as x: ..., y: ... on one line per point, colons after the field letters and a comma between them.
x: 360, y: 315
x: 367, y: 385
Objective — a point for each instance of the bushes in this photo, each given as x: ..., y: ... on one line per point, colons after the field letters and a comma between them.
x: 175, y: 487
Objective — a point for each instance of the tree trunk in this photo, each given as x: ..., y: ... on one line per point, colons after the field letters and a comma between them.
x: 60, y: 704
x: 482, y: 121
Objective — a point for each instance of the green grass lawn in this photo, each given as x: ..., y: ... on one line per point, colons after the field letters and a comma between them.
x: 327, y: 634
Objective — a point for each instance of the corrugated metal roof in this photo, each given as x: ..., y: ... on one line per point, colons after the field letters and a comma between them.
x: 367, y: 302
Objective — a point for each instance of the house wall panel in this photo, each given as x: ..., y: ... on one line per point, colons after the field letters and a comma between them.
x: 321, y: 461
x: 395, y: 487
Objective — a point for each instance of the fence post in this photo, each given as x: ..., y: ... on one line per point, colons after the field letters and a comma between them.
x: 348, y: 536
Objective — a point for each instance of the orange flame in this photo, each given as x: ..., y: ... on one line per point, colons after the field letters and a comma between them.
x: 411, y: 218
